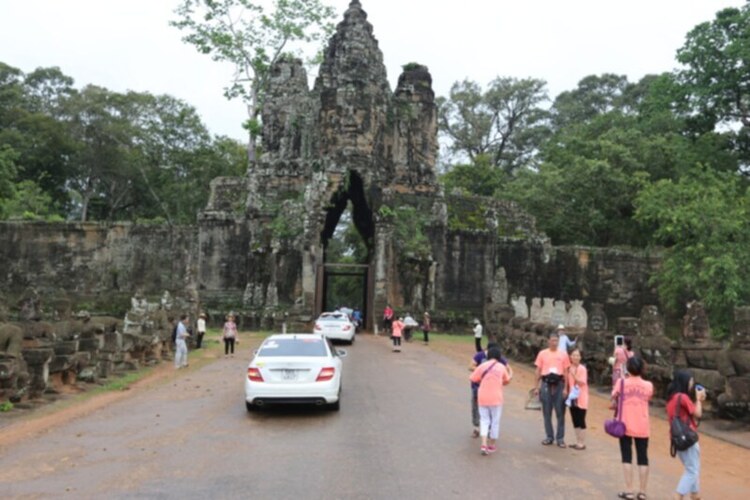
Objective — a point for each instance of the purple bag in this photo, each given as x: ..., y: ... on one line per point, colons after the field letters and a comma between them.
x: 615, y: 427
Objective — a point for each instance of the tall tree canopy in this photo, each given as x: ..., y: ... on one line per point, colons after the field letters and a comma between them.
x: 252, y: 38
x: 504, y: 123
x: 95, y: 154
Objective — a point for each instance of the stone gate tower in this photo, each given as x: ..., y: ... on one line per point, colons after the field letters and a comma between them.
x: 350, y: 139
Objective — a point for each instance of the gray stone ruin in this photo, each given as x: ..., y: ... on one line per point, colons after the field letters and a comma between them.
x: 39, y: 357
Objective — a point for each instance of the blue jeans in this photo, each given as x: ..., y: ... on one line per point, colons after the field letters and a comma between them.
x: 552, y: 399
x: 690, y: 480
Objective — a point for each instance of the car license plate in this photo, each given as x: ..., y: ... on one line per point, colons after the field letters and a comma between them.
x: 289, y: 374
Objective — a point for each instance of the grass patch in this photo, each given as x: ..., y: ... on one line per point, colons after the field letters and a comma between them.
x: 124, y: 382
x: 458, y: 338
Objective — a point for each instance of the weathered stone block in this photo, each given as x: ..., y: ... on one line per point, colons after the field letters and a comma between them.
x: 112, y: 342
x: 741, y: 361
x: 88, y: 375
x: 61, y: 362
x: 724, y: 363
x: 91, y: 344
x: 106, y: 368
x: 65, y: 347
x: 703, y: 358
x: 712, y: 380
x: 35, y: 357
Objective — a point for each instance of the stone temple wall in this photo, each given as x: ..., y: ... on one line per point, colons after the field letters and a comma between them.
x: 98, y: 265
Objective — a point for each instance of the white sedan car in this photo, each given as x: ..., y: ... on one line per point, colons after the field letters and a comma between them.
x: 335, y: 326
x: 294, y: 368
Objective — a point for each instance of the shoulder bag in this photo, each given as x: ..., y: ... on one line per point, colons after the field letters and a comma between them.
x: 615, y: 427
x: 682, y: 436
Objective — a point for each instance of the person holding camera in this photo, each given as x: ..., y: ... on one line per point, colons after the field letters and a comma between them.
x: 551, y: 386
x: 623, y: 352
x: 690, y: 409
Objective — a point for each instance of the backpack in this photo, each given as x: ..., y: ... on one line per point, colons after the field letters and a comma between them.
x: 681, y: 435
x: 174, y: 333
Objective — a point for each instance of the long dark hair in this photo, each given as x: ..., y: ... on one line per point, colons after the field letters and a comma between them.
x: 635, y: 366
x: 680, y: 383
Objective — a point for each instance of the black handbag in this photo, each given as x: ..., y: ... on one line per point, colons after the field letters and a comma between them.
x: 682, y: 436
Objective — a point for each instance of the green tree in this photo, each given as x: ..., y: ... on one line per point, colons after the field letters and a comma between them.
x: 245, y: 34
x: 703, y: 221
x: 481, y: 178
x: 28, y: 201
x: 505, y: 123
x: 33, y: 129
x: 8, y: 172
x: 594, y: 96
x: 716, y: 58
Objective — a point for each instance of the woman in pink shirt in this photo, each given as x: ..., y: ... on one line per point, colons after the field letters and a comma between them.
x: 398, y: 329
x: 578, y: 381
x: 636, y: 394
x: 491, y: 376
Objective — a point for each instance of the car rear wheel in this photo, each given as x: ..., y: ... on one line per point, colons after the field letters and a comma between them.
x: 250, y: 407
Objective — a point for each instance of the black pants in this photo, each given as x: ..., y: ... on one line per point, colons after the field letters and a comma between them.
x: 478, y: 343
x: 228, y: 346
x: 579, y: 417
x: 199, y: 340
x: 396, y: 341
x: 426, y: 334
x: 641, y: 450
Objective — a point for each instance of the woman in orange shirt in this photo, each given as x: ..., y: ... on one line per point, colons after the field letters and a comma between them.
x: 636, y: 394
x: 491, y: 376
x: 578, y: 379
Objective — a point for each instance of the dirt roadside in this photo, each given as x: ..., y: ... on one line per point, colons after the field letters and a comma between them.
x: 31, y: 423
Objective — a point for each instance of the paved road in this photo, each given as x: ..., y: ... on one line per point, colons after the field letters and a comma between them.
x: 402, y: 432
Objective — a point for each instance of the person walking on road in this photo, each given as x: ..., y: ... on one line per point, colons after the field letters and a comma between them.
x: 578, y: 397
x: 477, y: 335
x: 387, y: 318
x: 200, y: 328
x: 491, y: 376
x: 426, y: 327
x: 636, y: 394
x: 180, y: 342
x: 689, y: 411
x: 551, y: 366
x: 398, y: 331
x: 229, y: 336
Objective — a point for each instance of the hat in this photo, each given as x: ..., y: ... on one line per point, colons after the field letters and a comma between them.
x: 202, y: 315
x: 560, y: 327
x: 476, y: 321
x: 426, y: 313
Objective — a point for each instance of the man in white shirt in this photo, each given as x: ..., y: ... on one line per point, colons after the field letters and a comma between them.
x: 180, y: 348
x: 201, y: 330
x: 477, y: 334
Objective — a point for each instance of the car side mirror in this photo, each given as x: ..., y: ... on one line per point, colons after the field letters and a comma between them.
x: 341, y: 352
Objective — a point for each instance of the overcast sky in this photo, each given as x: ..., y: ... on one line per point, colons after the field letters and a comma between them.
x: 128, y: 44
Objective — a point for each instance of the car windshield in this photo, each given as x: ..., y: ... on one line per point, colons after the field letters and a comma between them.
x: 309, y: 346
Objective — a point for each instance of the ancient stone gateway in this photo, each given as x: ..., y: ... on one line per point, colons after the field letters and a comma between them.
x: 349, y: 140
